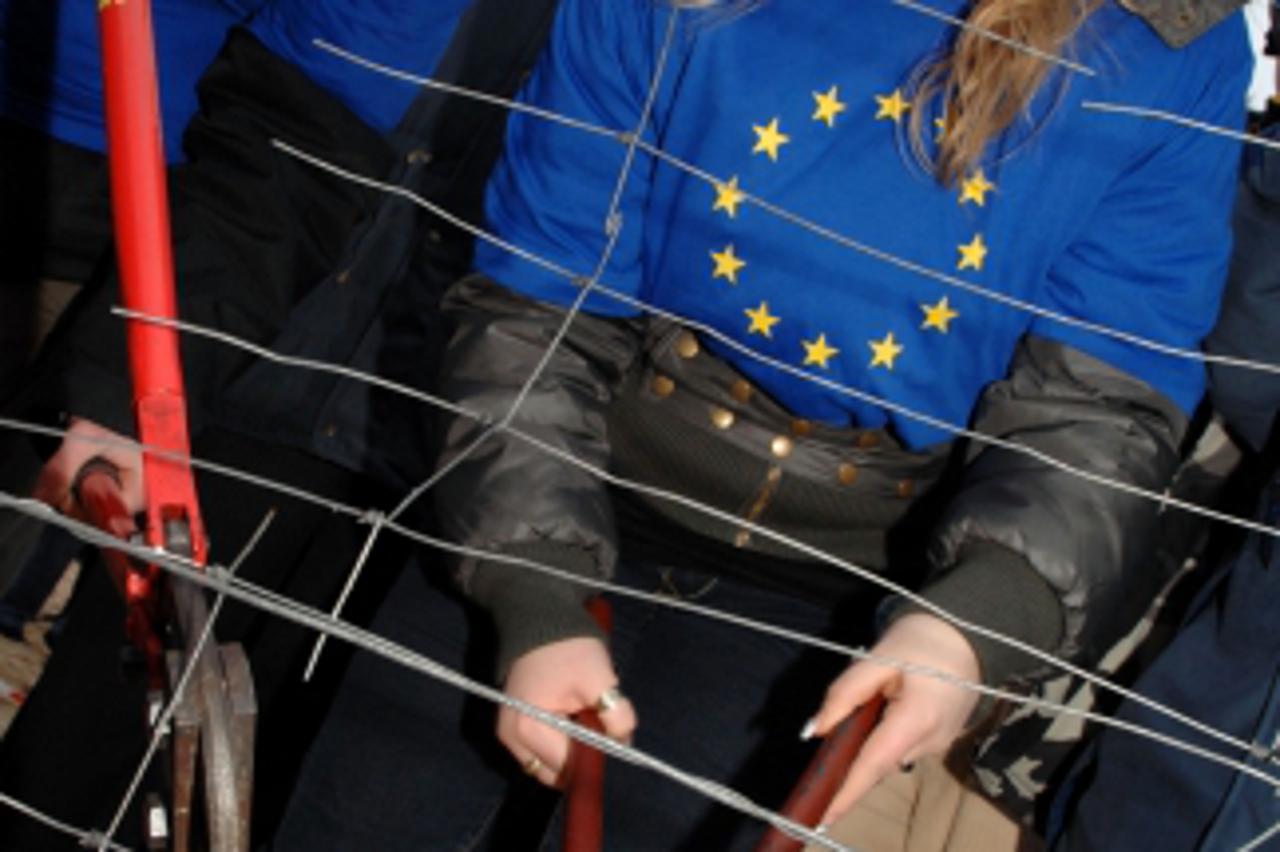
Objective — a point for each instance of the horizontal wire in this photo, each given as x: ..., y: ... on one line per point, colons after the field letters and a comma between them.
x: 1182, y: 121
x: 218, y: 579
x: 463, y: 91
x: 86, y: 839
x: 822, y: 556
x: 1256, y: 843
x: 1163, y: 500
x: 990, y: 35
x: 780, y: 632
x: 161, y: 725
x: 121, y: 442
x: 958, y: 283
x: 816, y: 228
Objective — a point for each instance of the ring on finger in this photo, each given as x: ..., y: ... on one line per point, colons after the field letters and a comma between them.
x: 609, y: 700
x: 533, y: 765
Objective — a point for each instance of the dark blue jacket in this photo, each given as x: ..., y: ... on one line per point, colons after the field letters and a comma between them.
x: 1223, y: 667
x: 278, y: 252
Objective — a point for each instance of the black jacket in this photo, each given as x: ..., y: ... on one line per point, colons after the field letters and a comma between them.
x: 278, y: 252
x: 1023, y: 546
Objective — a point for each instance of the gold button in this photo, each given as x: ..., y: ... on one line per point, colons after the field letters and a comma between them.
x: 662, y: 386
x: 906, y: 488
x: 344, y: 277
x: 722, y: 417
x: 847, y: 473
x: 868, y: 440
x: 781, y: 446
x: 742, y: 391
x: 687, y: 345
x: 802, y: 428
x: 419, y: 156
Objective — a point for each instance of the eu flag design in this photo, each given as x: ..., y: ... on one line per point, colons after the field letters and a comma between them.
x: 807, y: 231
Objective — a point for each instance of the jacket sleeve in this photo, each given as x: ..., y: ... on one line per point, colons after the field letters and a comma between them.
x: 1039, y: 552
x: 1043, y: 554
x: 509, y: 495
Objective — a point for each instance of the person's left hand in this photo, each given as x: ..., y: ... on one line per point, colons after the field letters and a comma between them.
x: 922, y: 716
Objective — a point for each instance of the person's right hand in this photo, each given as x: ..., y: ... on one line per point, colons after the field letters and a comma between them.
x: 563, y: 677
x: 86, y: 440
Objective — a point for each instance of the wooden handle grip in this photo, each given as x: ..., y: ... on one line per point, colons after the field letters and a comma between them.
x: 821, y: 781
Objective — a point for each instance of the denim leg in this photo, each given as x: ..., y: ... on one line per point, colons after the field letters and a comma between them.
x: 403, y: 762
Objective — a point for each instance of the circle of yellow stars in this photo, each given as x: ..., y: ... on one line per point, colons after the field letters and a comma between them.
x: 770, y: 139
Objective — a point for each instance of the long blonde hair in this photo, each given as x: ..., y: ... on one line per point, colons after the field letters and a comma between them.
x: 983, y: 85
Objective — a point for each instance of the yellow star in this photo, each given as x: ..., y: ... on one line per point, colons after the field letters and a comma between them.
x: 728, y: 197
x: 972, y: 254
x: 769, y: 139
x: 975, y: 189
x: 818, y: 352
x: 884, y: 352
x: 762, y: 322
x: 727, y: 264
x: 892, y: 106
x: 829, y: 106
x: 939, y: 316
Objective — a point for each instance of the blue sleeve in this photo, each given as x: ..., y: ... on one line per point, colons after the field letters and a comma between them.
x: 409, y: 35
x: 551, y: 190
x: 51, y: 66
x: 1154, y: 254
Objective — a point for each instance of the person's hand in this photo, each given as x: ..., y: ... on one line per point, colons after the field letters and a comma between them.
x: 922, y: 716
x: 86, y: 440
x: 563, y: 677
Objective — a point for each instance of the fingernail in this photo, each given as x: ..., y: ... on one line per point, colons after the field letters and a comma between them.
x: 809, y: 729
x: 822, y: 829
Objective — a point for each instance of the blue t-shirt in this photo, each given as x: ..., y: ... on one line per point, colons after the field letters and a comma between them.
x: 51, y: 64
x: 51, y: 73
x: 1109, y: 219
x: 408, y: 35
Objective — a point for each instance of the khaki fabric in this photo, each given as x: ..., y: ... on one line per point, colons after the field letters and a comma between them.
x: 929, y: 810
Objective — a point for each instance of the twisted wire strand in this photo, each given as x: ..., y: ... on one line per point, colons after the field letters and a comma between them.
x: 220, y: 580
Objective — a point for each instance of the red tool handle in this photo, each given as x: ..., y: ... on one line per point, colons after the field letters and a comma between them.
x: 140, y: 213
x: 99, y: 493
x: 826, y: 772
x: 584, y: 776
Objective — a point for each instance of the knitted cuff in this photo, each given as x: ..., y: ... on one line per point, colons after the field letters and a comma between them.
x: 530, y: 609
